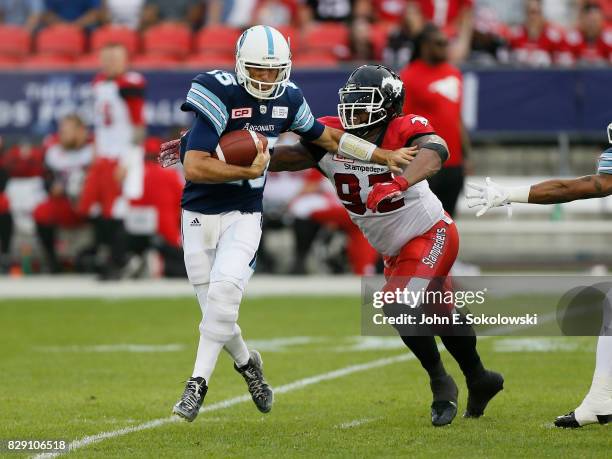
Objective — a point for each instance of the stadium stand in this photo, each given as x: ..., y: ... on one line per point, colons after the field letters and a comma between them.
x: 61, y: 40
x: 116, y: 34
x: 168, y: 39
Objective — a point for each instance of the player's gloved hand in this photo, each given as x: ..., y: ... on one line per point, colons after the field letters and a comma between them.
x: 388, y: 190
x: 260, y: 163
x: 397, y: 160
x: 488, y: 195
x: 169, y: 153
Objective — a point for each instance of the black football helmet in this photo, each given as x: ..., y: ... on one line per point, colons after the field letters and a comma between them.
x: 373, y: 94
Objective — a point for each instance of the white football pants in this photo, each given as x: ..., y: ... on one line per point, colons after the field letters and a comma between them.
x: 220, y: 252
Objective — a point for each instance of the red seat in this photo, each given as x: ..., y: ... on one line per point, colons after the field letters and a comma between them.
x: 88, y: 61
x: 332, y: 38
x: 210, y: 61
x: 217, y: 39
x: 62, y: 39
x: 155, y: 61
x: 315, y: 60
x: 168, y: 39
x: 14, y: 41
x: 111, y: 34
x: 379, y: 34
x: 293, y: 36
x: 47, y: 61
x: 9, y: 62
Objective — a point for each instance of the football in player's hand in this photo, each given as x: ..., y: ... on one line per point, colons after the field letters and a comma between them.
x: 239, y: 147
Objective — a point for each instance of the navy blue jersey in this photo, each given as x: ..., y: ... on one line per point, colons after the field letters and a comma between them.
x: 222, y: 105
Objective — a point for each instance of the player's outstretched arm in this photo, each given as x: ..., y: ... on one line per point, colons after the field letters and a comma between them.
x: 549, y: 192
x: 335, y: 140
x: 294, y: 157
x: 200, y: 167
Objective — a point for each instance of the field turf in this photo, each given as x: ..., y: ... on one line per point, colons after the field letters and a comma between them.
x: 71, y: 369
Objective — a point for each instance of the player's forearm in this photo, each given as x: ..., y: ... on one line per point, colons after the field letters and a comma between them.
x: 290, y: 158
x: 351, y: 146
x: 200, y: 168
x: 426, y: 164
x: 558, y: 191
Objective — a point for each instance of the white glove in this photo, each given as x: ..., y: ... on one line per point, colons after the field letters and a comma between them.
x: 488, y: 196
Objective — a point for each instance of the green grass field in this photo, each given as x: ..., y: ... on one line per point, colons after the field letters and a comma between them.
x: 68, y: 372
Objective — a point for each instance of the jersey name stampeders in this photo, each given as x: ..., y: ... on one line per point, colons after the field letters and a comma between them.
x: 398, y: 220
x: 118, y: 110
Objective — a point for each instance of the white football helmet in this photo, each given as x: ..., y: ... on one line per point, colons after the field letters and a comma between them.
x: 263, y: 47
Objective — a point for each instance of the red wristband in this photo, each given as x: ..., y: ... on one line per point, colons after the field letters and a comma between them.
x: 402, y: 182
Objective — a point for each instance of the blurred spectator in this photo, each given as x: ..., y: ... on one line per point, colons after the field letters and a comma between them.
x: 123, y: 12
x: 560, y: 12
x: 68, y: 155
x: 490, y: 39
x: 331, y: 10
x: 362, y: 48
x: 83, y: 13
x: 154, y: 221
x: 316, y: 206
x: 401, y: 41
x: 233, y: 13
x: 116, y: 173
x: 591, y: 42
x: 276, y: 13
x: 537, y: 42
x: 455, y: 18
x: 189, y: 12
x: 434, y: 89
x: 26, y: 13
x: 391, y: 12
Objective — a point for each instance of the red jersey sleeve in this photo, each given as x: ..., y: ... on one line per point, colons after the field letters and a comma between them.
x: 132, y: 89
x: 403, y: 130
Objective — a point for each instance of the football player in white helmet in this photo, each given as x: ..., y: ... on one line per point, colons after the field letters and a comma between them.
x: 222, y: 203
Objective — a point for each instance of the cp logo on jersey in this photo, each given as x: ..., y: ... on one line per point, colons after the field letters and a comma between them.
x: 246, y: 112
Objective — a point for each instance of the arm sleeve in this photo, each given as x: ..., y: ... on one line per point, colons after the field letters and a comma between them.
x: 208, y: 99
x: 132, y: 90
x: 303, y: 122
x: 605, y: 162
x: 201, y: 137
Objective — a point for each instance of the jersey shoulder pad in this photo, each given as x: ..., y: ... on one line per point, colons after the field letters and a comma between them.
x: 331, y: 121
x: 403, y: 129
x: 208, y: 96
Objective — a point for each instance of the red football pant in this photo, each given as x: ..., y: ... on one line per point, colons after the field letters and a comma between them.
x: 57, y: 211
x: 428, y: 256
x: 361, y: 255
x: 101, y: 186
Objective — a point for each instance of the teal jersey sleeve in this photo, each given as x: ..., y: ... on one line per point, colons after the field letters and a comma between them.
x: 209, y: 99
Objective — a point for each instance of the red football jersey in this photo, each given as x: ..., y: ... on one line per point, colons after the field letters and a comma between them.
x: 598, y: 51
x: 436, y: 93
x: 544, y: 50
x: 443, y: 13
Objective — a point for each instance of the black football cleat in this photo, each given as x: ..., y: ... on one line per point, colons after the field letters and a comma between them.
x: 259, y: 389
x: 481, y: 391
x: 569, y: 421
x: 191, y: 401
x: 444, y: 406
x: 443, y: 413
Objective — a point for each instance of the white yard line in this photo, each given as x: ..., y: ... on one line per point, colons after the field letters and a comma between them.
x: 355, y: 423
x: 290, y: 387
x: 114, y: 348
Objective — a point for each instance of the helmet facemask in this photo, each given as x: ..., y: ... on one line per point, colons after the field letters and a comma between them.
x: 360, y: 108
x: 261, y: 89
x: 610, y: 132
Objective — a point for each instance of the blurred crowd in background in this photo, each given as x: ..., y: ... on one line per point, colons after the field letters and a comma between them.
x: 56, y: 213
x: 194, y: 33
